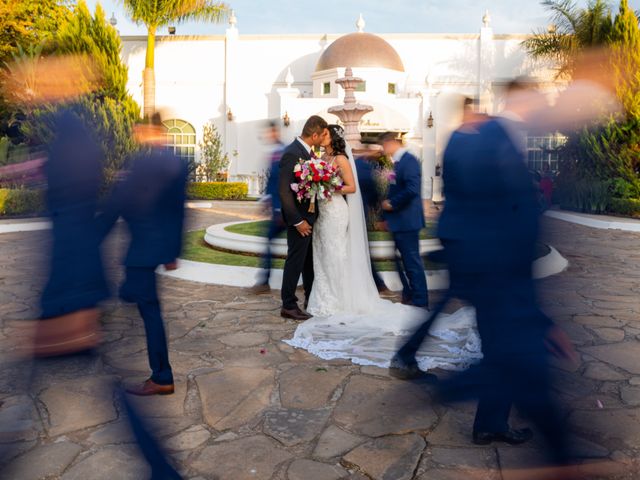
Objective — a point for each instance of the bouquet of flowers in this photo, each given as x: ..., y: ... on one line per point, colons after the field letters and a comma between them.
x: 317, y: 179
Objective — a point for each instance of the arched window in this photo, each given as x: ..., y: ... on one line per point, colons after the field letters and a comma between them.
x: 181, y: 139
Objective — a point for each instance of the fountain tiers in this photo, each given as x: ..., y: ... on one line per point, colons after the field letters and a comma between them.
x: 351, y: 112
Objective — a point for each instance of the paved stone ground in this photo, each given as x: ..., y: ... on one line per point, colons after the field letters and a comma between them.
x: 248, y: 406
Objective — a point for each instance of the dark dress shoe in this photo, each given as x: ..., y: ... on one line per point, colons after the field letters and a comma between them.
x: 149, y: 387
x: 260, y: 289
x: 408, y: 370
x: 512, y: 437
x: 294, y: 314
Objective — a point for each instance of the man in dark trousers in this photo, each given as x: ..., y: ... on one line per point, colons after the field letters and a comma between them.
x: 151, y: 201
x: 299, y: 219
x: 272, y: 203
x: 404, y: 214
x: 489, y: 228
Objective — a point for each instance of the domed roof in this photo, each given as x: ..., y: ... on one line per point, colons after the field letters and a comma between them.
x: 360, y: 49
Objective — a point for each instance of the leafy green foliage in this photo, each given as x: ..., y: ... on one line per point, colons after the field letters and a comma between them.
x: 26, y: 23
x: 110, y: 112
x: 218, y: 190
x: 21, y: 202
x: 600, y: 164
x: 625, y: 206
x: 573, y: 30
x: 214, y: 160
x: 625, y: 46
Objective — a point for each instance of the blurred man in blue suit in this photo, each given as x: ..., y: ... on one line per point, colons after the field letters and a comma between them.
x: 151, y: 201
x: 272, y: 204
x: 370, y: 199
x: 404, y: 215
x: 489, y: 229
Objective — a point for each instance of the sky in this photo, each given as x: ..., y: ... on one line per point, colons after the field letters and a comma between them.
x: 381, y: 16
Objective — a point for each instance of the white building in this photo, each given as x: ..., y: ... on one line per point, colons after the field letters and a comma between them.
x: 239, y: 81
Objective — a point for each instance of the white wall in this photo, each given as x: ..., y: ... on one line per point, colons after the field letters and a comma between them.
x: 199, y: 78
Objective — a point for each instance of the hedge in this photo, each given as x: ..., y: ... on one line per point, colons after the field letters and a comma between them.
x: 625, y: 206
x: 217, y: 190
x: 21, y: 201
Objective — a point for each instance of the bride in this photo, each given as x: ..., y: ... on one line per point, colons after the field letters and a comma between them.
x: 350, y: 320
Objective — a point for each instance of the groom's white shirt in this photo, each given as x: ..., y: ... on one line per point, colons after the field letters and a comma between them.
x: 307, y: 147
x: 398, y: 155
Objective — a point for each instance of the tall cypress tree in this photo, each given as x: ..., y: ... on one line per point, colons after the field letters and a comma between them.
x: 625, y: 59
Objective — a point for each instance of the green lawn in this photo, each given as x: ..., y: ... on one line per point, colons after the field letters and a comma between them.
x: 259, y: 229
x: 197, y: 250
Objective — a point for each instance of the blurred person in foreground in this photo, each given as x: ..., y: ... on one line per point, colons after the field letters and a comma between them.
x: 404, y: 216
x: 404, y: 364
x: 151, y: 201
x: 73, y: 170
x: 271, y: 200
x: 489, y: 228
x: 370, y: 199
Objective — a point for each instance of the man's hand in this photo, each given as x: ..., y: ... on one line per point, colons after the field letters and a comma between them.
x: 558, y: 344
x: 304, y: 228
x: 171, y: 265
x: 386, y: 206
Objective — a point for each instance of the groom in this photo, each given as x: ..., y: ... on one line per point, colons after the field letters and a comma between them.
x: 404, y: 215
x: 298, y: 219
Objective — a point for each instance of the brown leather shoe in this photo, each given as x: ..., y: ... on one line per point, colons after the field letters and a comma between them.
x: 260, y: 289
x: 295, y: 314
x: 149, y: 387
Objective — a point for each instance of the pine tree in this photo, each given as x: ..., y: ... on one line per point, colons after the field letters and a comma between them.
x: 110, y: 111
x: 625, y: 59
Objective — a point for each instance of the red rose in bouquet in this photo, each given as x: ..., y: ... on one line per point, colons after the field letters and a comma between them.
x: 316, y: 179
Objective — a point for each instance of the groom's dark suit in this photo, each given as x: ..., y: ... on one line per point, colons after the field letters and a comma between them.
x: 299, y: 253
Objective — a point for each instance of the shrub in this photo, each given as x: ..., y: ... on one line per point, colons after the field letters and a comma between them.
x: 589, y: 195
x: 21, y: 201
x: 625, y: 206
x: 217, y: 190
x: 215, y: 161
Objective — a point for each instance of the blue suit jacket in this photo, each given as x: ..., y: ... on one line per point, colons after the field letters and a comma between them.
x: 151, y: 201
x: 405, y: 195
x: 367, y: 184
x: 490, y: 205
x: 272, y: 187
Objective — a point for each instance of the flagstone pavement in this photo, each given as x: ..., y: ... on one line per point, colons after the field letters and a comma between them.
x: 248, y: 406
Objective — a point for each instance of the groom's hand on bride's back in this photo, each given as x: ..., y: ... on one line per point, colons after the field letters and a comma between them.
x: 304, y: 228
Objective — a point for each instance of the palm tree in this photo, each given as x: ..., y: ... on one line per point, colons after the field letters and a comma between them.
x: 155, y: 14
x: 572, y: 30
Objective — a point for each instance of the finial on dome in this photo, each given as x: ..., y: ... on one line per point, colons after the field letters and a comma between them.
x: 289, y: 78
x: 233, y: 20
x: 360, y: 24
x: 113, y: 20
x: 486, y: 19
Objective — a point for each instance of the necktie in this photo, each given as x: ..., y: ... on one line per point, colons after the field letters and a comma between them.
x: 313, y: 154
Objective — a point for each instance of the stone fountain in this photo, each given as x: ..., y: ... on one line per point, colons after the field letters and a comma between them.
x: 351, y: 112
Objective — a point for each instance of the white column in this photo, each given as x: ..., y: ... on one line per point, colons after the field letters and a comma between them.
x: 288, y: 96
x: 486, y: 65
x: 231, y: 68
x: 429, y: 147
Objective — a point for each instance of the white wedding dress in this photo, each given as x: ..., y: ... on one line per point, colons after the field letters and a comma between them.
x: 350, y: 320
